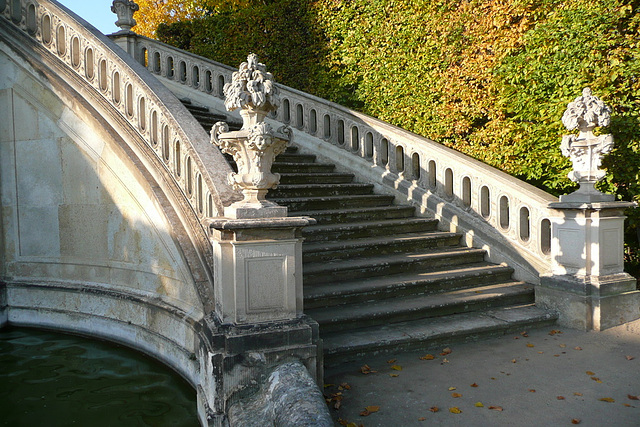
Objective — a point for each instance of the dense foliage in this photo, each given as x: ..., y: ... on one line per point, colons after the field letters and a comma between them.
x: 490, y: 78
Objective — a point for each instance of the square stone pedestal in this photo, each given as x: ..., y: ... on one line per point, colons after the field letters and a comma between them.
x: 258, y: 268
x: 588, y: 287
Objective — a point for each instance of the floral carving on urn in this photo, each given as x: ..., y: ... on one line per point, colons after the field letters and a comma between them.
x: 585, y: 150
x: 255, y: 146
x: 125, y: 9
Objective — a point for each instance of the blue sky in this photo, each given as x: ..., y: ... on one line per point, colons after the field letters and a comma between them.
x: 97, y: 12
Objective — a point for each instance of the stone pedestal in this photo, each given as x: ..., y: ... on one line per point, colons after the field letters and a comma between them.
x: 258, y: 268
x: 588, y: 286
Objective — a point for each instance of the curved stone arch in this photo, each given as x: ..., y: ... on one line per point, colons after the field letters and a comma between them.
x: 193, y: 139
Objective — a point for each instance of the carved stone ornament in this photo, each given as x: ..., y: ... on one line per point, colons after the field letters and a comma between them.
x: 255, y: 146
x: 125, y: 9
x: 585, y: 150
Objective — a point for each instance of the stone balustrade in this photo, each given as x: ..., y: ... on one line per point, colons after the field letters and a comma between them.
x: 176, y: 138
x: 507, y: 216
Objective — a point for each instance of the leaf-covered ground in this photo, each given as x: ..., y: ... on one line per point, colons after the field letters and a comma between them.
x: 552, y: 376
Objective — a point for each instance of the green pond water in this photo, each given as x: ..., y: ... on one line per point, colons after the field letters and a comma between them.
x: 53, y: 379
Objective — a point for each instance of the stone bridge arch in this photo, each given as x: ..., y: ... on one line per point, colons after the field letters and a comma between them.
x: 100, y: 234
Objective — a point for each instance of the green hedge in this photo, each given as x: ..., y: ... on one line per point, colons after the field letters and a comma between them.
x: 488, y: 78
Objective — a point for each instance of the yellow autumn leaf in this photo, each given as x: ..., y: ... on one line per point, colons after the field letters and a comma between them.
x: 396, y: 368
x: 590, y: 373
x: 427, y: 357
x: 456, y: 395
x: 455, y: 410
x: 606, y: 399
x: 530, y: 345
x: 479, y: 405
x: 451, y: 388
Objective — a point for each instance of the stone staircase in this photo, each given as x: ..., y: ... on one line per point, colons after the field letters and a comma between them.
x: 377, y: 278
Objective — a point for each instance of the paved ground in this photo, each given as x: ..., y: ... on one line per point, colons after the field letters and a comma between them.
x: 547, y: 377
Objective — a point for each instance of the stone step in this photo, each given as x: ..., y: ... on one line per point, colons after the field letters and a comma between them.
x: 381, y: 312
x: 333, y: 202
x: 404, y: 284
x: 374, y: 213
x: 320, y: 190
x: 356, y: 230
x: 432, y: 333
x: 294, y: 157
x: 337, y: 271
x: 324, y: 251
x: 285, y: 167
x: 316, y: 178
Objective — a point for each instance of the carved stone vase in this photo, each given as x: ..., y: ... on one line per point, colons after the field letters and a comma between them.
x: 125, y: 9
x: 255, y: 146
x: 585, y: 150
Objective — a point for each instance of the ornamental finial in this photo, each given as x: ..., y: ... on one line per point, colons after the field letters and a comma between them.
x: 125, y: 9
x: 585, y: 150
x: 255, y: 146
x: 251, y: 88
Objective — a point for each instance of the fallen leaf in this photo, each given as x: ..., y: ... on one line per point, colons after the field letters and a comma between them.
x: 343, y: 422
x: 575, y: 421
x: 632, y: 397
x: 516, y: 338
x: 577, y: 394
x: 496, y: 408
x: 596, y: 379
x: 434, y: 409
x: 369, y: 410
x: 455, y: 410
x: 456, y: 395
x: 421, y: 419
x: 493, y: 378
x: 562, y: 346
x: 560, y: 397
x: 391, y: 361
x: 396, y: 368
x: 524, y: 334
x: 629, y: 357
x: 530, y: 345
x: 346, y: 386
x: 451, y: 388
x: 556, y: 355
x: 590, y: 373
x: 541, y: 352
x: 479, y: 405
x: 394, y: 375
x: 445, y: 351
x: 627, y: 405
x: 513, y: 360
x: 445, y: 360
x: 367, y: 370
x: 532, y: 390
x: 427, y: 357
x: 607, y: 399
x: 337, y: 405
x: 474, y: 385
x: 478, y: 292
x: 554, y: 332
x: 577, y: 348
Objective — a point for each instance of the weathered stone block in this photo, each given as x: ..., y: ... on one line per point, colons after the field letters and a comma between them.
x: 590, y: 303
